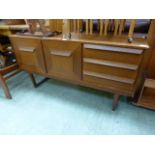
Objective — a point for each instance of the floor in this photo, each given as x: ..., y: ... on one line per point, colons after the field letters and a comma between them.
x: 60, y: 108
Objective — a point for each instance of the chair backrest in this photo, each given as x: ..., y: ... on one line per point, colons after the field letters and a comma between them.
x: 104, y: 27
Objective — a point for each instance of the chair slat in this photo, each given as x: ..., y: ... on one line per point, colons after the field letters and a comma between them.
x: 106, y: 26
x: 132, y: 27
x: 121, y: 26
x: 112, y: 25
x: 124, y: 21
x: 74, y: 25
x: 78, y: 25
x: 116, y: 27
x: 101, y: 26
x: 66, y: 26
x: 87, y: 26
x: 91, y: 26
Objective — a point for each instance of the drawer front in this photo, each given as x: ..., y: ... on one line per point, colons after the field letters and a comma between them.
x: 123, y: 55
x: 96, y: 81
x: 29, y: 54
x: 113, y: 71
x: 110, y: 67
x: 63, y: 59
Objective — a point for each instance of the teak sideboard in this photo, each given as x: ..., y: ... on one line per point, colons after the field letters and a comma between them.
x: 108, y: 64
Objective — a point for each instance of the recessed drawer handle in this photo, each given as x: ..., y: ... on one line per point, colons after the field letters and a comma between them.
x: 111, y: 63
x: 27, y: 49
x: 62, y: 53
x: 110, y: 77
x: 114, y: 49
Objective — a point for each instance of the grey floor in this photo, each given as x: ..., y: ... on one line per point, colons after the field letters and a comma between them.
x: 60, y: 108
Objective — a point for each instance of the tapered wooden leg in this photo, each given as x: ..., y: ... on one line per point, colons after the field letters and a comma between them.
x: 5, y: 87
x: 36, y: 84
x: 115, y: 101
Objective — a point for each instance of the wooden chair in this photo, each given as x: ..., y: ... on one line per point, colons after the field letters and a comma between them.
x: 6, y: 73
x: 11, y: 70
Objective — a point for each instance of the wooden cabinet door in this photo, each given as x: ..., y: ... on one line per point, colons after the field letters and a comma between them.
x: 29, y: 53
x: 63, y: 59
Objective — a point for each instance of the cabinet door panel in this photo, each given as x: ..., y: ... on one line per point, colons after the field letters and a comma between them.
x: 63, y: 59
x: 29, y: 54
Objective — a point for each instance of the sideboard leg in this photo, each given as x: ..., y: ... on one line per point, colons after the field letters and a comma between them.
x: 36, y: 84
x: 5, y: 87
x: 115, y: 101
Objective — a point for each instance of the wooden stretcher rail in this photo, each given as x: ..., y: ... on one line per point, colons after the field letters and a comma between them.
x: 8, y: 69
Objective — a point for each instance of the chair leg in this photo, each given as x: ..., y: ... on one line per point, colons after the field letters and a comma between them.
x: 115, y: 101
x: 35, y: 84
x: 5, y: 87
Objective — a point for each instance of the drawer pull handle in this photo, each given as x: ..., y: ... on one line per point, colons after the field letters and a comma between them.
x: 111, y: 63
x: 114, y: 49
x: 110, y: 77
x: 27, y: 49
x: 62, y: 53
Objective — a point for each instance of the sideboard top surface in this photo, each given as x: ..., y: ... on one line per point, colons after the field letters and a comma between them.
x: 96, y: 39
